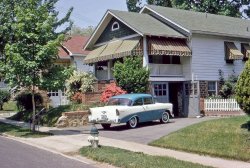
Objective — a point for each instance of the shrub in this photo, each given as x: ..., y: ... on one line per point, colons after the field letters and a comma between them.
x: 131, y: 76
x: 4, y: 97
x: 243, y: 88
x: 111, y: 90
x: 24, y: 100
x: 77, y: 97
x: 79, y: 82
x: 227, y: 89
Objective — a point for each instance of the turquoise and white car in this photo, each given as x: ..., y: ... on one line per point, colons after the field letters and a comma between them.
x: 131, y: 109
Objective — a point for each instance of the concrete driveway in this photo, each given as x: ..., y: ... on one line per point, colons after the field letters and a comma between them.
x: 144, y: 133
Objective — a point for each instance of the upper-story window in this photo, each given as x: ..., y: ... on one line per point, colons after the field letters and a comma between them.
x: 164, y: 59
x: 231, y: 52
x: 115, y: 26
x: 245, y: 49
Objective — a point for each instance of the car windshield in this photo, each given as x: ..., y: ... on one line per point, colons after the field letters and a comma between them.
x: 119, y: 102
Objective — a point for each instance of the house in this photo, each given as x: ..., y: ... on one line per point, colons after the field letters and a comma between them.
x: 184, y: 50
x: 70, y: 53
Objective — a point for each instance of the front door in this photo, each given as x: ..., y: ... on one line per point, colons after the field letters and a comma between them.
x: 160, y: 92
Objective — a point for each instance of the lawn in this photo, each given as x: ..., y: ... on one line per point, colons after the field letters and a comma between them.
x: 127, y: 159
x: 21, y: 132
x: 227, y: 138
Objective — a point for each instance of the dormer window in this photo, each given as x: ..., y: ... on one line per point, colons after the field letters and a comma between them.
x: 115, y: 26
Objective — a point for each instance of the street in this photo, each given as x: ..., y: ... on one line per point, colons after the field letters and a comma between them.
x: 15, y: 154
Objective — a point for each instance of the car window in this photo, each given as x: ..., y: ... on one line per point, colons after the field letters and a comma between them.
x: 119, y: 102
x: 148, y: 100
x: 138, y: 102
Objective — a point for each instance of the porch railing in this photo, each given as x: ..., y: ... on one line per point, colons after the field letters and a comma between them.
x: 221, y: 105
x: 165, y: 69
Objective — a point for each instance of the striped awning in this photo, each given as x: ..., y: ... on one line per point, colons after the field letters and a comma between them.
x: 114, y: 49
x: 246, y: 50
x: 232, y: 52
x: 163, y: 46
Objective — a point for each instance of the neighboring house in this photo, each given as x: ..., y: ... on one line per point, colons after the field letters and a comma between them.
x: 184, y: 51
x: 70, y: 53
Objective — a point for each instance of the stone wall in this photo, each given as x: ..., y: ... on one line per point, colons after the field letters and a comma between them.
x: 203, y: 89
x: 73, y: 119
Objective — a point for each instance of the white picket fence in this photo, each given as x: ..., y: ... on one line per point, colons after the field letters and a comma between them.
x: 221, y: 105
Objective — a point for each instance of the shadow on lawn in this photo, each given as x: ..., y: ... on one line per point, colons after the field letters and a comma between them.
x: 246, y: 125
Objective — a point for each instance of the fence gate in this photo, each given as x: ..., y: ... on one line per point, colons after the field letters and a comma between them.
x: 58, y: 98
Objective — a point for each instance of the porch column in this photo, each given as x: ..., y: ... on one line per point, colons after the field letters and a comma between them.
x: 94, y: 69
x: 145, y: 52
x: 109, y: 69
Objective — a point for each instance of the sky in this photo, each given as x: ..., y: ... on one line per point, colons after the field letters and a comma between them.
x: 89, y: 12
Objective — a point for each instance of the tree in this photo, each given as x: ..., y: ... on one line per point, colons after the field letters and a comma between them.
x: 228, y: 7
x: 131, y: 76
x: 4, y: 97
x: 243, y: 88
x: 82, y: 31
x: 33, y: 48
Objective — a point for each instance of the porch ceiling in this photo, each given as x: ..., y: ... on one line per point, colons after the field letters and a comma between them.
x: 232, y: 51
x: 115, y: 49
x: 164, y: 46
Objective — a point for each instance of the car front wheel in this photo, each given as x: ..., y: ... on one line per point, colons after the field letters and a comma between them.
x: 164, y: 117
x: 132, y: 123
x: 106, y: 126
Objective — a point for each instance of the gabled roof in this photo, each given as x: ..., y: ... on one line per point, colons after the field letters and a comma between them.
x: 142, y: 24
x: 204, y: 23
x: 73, y: 46
x: 146, y: 24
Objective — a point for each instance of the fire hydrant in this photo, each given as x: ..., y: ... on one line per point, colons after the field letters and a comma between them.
x: 93, y: 137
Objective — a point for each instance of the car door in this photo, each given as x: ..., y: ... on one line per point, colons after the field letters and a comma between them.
x: 151, y: 110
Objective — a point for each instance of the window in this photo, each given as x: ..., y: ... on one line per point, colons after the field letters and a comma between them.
x: 148, y: 100
x: 164, y: 59
x: 160, y: 89
x: 245, y: 49
x: 115, y: 26
x: 212, y: 88
x: 138, y: 102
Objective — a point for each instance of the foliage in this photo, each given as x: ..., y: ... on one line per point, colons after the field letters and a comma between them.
x: 33, y: 42
x: 80, y: 82
x: 243, y: 88
x: 75, y: 30
x: 131, y: 76
x: 227, y: 89
x: 4, y: 97
x: 229, y: 7
x: 111, y: 90
x: 124, y: 158
x: 10, y: 106
x: 21, y: 132
x: 24, y: 100
x: 225, y: 138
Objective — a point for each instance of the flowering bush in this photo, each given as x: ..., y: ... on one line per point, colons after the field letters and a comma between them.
x: 111, y: 90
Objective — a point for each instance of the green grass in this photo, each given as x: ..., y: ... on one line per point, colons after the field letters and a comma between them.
x: 9, y: 106
x: 127, y: 159
x: 21, y: 132
x: 227, y: 138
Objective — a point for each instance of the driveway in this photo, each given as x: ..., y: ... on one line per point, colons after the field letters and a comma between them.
x: 144, y: 133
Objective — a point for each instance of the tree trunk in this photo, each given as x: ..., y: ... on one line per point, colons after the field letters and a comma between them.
x: 34, y: 110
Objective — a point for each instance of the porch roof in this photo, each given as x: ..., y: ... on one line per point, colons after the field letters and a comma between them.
x: 164, y: 46
x: 232, y: 52
x: 114, y: 49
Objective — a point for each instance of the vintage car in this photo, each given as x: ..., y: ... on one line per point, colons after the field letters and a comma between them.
x: 131, y: 109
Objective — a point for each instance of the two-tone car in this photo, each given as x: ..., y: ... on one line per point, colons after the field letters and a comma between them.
x: 131, y: 109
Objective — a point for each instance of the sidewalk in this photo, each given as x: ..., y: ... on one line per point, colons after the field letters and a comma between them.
x: 72, y: 143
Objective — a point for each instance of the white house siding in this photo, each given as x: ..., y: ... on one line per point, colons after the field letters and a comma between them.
x: 79, y: 64
x: 208, y: 55
x: 186, y: 67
